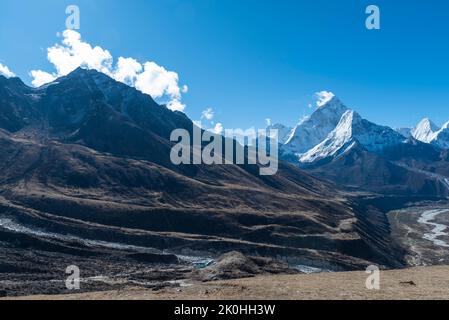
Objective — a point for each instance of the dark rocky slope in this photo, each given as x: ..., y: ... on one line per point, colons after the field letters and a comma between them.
x: 86, y: 176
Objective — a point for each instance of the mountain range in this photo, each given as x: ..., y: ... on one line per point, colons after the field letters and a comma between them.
x: 86, y: 174
x: 427, y: 132
x: 87, y: 177
x: 336, y: 143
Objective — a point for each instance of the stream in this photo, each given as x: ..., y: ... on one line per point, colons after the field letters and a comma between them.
x: 438, y: 230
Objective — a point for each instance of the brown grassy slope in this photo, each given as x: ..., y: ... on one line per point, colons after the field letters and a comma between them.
x: 73, y: 189
x: 416, y: 283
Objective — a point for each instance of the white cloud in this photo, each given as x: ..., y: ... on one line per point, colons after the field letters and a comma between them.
x: 156, y: 81
x: 74, y: 53
x: 127, y: 70
x: 268, y: 122
x: 176, y: 105
x: 323, y: 97
x: 218, y: 129
x: 208, y: 114
x: 148, y: 77
x: 4, y: 71
x: 41, y: 77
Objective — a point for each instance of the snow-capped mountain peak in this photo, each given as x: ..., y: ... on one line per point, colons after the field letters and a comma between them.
x: 425, y: 131
x: 315, y: 128
x: 324, y: 97
x: 441, y: 138
x: 340, y: 137
x: 333, y: 128
x: 352, y: 129
x: 330, y: 103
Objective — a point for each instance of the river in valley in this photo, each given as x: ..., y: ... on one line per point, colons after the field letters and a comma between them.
x: 423, y: 231
x: 438, y: 230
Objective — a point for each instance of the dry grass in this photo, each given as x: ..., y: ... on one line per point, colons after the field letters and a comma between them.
x: 416, y: 283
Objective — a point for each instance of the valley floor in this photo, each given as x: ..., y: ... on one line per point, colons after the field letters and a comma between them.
x: 423, y: 231
x: 414, y: 283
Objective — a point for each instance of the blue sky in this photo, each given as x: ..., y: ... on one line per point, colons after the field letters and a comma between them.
x: 250, y: 60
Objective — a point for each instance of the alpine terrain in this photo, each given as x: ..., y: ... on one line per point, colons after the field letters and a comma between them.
x: 87, y: 181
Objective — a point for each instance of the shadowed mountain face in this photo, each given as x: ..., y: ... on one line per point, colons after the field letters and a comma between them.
x: 17, y: 104
x: 358, y: 168
x: 86, y: 170
x: 412, y: 168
